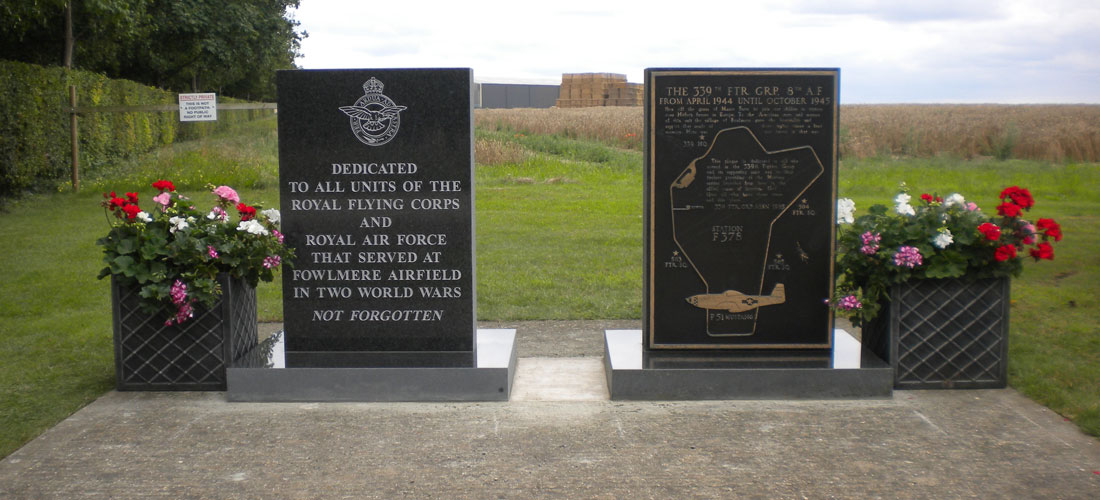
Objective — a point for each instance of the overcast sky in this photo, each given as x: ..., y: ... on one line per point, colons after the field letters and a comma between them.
x: 1028, y: 51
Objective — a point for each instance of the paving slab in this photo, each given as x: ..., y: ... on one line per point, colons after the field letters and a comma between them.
x: 917, y: 444
x: 560, y: 379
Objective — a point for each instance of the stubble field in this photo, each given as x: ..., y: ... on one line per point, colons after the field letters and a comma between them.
x: 1058, y: 133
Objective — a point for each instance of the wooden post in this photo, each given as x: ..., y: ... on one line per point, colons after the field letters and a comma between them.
x: 75, y: 138
x: 67, y: 58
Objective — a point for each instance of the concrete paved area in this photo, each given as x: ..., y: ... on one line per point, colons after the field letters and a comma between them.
x: 559, y: 379
x: 919, y: 444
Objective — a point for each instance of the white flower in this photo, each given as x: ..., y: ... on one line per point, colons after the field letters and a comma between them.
x: 903, y: 207
x: 845, y: 207
x: 144, y: 217
x: 905, y: 210
x: 272, y: 215
x: 954, y: 199
x: 943, y: 239
x: 177, y: 223
x: 218, y: 214
x: 252, y: 226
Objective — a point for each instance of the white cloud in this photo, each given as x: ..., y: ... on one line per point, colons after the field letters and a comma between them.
x: 930, y: 51
x: 903, y: 11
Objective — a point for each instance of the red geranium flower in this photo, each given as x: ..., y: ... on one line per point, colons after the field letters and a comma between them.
x: 1045, y: 251
x: 1008, y: 209
x: 118, y: 202
x: 247, y: 212
x: 990, y: 230
x: 1005, y: 252
x: 131, y: 211
x: 133, y: 197
x: 1019, y: 196
x: 926, y: 197
x: 1051, y: 229
x: 164, y: 185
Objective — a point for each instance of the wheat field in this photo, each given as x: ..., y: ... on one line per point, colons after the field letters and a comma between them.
x: 1058, y: 133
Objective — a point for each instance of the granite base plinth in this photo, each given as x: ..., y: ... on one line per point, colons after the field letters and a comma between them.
x: 846, y: 372
x: 269, y: 374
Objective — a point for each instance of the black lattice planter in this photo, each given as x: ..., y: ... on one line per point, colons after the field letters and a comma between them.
x: 150, y: 356
x: 944, y: 334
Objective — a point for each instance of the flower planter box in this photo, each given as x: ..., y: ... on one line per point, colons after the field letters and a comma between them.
x: 944, y: 334
x: 193, y: 356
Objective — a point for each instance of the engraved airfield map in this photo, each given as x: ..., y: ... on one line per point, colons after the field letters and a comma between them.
x: 740, y: 204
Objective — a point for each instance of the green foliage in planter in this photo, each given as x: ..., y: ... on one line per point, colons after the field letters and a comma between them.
x: 942, y: 237
x: 175, y: 251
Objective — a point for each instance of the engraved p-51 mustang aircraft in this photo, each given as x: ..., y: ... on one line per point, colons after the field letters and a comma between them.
x: 735, y: 302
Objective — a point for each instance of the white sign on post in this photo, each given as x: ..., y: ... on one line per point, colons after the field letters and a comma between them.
x: 198, y: 107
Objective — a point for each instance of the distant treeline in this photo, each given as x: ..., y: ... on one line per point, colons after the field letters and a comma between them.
x: 1057, y: 133
x: 35, y: 145
x: 229, y: 47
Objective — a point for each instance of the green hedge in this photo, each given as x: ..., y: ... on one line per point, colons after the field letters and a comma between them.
x: 34, y: 132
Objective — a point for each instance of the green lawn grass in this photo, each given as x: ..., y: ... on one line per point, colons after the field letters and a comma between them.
x: 558, y: 236
x: 56, y: 351
x: 1054, y: 325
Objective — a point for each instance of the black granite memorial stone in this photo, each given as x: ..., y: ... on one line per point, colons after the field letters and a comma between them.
x: 740, y: 208
x: 376, y: 186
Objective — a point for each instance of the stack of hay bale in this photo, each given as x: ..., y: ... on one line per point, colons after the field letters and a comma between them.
x: 582, y: 90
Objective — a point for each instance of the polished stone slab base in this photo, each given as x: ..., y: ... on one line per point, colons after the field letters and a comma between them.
x: 270, y: 375
x: 848, y: 372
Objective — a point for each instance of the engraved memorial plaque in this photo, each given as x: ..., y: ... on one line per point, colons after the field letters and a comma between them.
x: 376, y: 187
x: 740, y: 208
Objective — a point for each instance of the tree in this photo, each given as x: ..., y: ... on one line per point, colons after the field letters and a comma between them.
x: 211, y: 45
x: 35, y: 31
x: 183, y: 45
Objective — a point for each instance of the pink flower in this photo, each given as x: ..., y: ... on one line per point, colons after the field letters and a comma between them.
x: 213, y: 252
x: 164, y: 199
x: 272, y: 261
x: 908, y: 256
x: 184, y: 312
x: 278, y: 236
x: 870, y: 243
x: 227, y: 193
x: 849, y: 303
x: 971, y: 206
x: 178, y: 292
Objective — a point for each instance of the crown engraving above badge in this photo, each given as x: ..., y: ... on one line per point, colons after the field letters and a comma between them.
x: 375, y: 118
